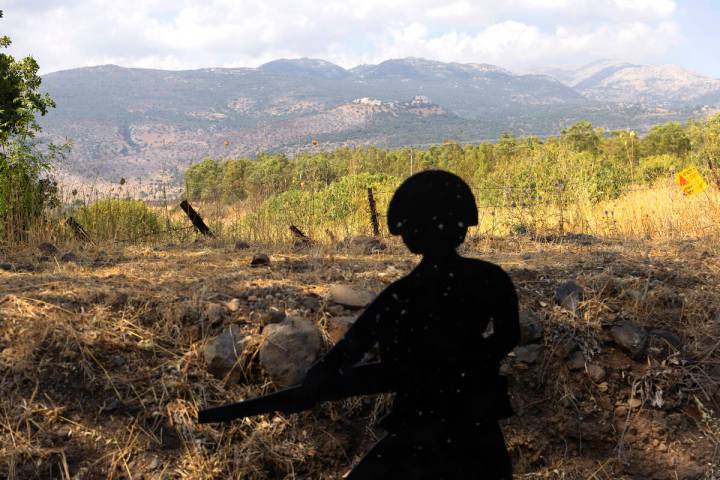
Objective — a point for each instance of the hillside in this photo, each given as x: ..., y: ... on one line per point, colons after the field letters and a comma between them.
x: 625, y: 82
x: 140, y: 123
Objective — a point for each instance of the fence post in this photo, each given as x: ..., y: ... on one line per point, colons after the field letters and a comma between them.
x: 196, y: 219
x: 373, y: 213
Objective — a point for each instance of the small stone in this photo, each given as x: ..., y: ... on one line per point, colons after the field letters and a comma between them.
x: 630, y: 338
x: 531, y: 330
x: 241, y: 245
x: 48, y: 249
x: 662, y: 343
x: 234, y: 305
x: 634, y: 403
x: 350, y: 296
x: 69, y: 257
x: 564, y: 348
x: 252, y: 298
x: 117, y: 361
x: 7, y: 267
x: 259, y: 260
x: 528, y: 354
x: 576, y: 361
x: 311, y: 302
x: 118, y: 300
x: 154, y: 463
x: 337, y: 310
x: 596, y: 372
x: 272, y: 315
x: 338, y: 326
x: 289, y: 349
x: 364, y: 244
x: 569, y: 295
x: 215, y: 313
x: 222, y: 353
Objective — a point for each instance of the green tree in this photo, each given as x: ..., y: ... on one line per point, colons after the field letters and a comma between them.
x: 25, y: 188
x: 668, y: 138
x: 581, y: 137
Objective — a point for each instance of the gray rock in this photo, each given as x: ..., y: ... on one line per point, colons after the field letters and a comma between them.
x: 528, y: 354
x: 531, y: 330
x: 259, y: 260
x: 272, y: 315
x: 311, y: 302
x: 350, y: 296
x: 569, y: 295
x: 337, y: 327
x: 364, y: 244
x: 662, y: 343
x: 289, y: 349
x: 69, y: 257
x: 596, y: 372
x: 576, y: 361
x: 630, y: 338
x: 7, y: 267
x: 241, y: 245
x: 118, y: 300
x: 234, y: 305
x: 48, y: 249
x: 222, y: 353
x: 215, y: 313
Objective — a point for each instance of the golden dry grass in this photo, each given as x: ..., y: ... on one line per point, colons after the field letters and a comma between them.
x: 102, y: 375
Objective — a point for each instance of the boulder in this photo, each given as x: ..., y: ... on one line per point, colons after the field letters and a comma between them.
x: 222, y: 353
x: 337, y: 327
x: 259, y: 260
x: 531, y: 330
x: 289, y: 349
x: 569, y: 295
x: 630, y: 338
x: 348, y: 296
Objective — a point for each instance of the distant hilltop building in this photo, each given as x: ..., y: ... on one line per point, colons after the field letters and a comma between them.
x: 419, y: 100
x: 373, y: 102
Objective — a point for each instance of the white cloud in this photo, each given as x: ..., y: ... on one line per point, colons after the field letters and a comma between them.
x: 194, y: 34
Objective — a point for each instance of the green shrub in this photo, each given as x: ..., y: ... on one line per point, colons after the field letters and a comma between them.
x: 656, y: 166
x: 119, y: 219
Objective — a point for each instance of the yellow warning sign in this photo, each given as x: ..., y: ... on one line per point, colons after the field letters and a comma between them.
x: 690, y: 181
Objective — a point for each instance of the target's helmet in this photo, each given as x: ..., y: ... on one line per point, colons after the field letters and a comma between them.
x: 432, y: 199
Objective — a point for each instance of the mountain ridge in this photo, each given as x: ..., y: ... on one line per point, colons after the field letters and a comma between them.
x: 150, y: 122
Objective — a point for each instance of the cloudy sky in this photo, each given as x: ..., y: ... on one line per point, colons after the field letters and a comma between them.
x: 516, y: 34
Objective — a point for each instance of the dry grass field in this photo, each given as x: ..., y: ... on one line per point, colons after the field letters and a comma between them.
x: 102, y: 371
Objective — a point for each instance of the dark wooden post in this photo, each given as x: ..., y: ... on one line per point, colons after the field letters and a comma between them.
x: 373, y: 213
x: 196, y: 219
x: 299, y: 236
x: 78, y: 230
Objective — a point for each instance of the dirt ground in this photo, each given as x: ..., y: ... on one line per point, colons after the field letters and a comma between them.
x: 102, y: 372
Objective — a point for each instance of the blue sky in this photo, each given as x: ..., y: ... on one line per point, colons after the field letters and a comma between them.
x: 520, y: 35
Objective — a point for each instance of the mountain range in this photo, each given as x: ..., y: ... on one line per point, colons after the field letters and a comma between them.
x: 151, y: 124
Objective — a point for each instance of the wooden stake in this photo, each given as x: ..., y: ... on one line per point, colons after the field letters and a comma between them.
x: 196, y: 219
x: 373, y: 213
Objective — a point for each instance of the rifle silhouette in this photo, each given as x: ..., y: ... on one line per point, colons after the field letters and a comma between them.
x: 369, y: 379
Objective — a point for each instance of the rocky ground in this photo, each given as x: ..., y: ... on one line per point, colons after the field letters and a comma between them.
x: 107, y: 354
